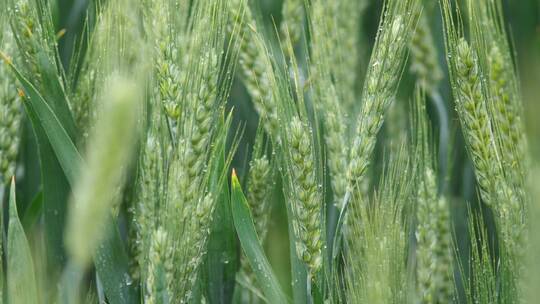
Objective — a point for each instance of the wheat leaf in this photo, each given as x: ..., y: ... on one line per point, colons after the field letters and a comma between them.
x: 61, y: 142
x: 252, y: 247
x: 222, y: 259
x: 111, y: 259
x: 20, y: 266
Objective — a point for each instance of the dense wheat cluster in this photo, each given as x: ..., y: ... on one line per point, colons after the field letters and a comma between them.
x: 269, y: 151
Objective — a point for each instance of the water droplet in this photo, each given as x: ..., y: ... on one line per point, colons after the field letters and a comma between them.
x: 127, y: 279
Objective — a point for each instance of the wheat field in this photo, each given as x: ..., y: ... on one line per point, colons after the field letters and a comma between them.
x: 269, y: 151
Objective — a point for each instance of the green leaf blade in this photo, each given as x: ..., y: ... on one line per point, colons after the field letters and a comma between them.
x: 252, y: 246
x: 22, y: 287
x: 55, y: 195
x: 111, y: 261
x: 60, y: 140
x: 222, y: 261
x: 60, y: 158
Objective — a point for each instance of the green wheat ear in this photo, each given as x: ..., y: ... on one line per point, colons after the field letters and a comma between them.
x: 306, y: 202
x: 159, y: 269
x: 434, y: 248
x: 145, y: 94
x: 97, y: 190
x: 378, y: 238
x: 255, y: 64
x: 424, y: 57
x: 32, y: 36
x: 387, y: 61
x: 477, y: 123
x: 293, y: 20
x: 349, y: 56
x: 186, y: 125
x: 260, y: 186
x: 327, y: 96
x: 506, y: 110
x: 10, y: 113
x: 484, y: 116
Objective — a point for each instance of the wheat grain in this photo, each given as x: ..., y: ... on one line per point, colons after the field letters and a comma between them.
x: 82, y: 104
x: 260, y: 185
x: 434, y: 247
x: 337, y: 156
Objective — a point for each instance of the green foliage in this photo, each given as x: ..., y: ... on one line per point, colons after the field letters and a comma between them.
x: 138, y: 112
x: 251, y: 245
x: 21, y: 279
